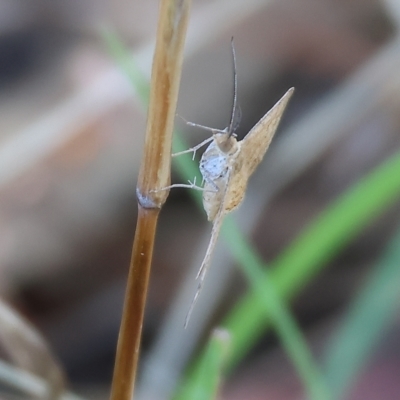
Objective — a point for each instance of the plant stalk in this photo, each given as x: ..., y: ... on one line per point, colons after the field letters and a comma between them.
x: 154, y: 175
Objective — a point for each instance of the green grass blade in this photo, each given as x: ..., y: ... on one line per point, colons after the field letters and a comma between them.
x: 323, y: 238
x: 273, y: 307
x: 368, y: 316
x: 291, y: 337
x: 206, y: 383
x: 127, y: 64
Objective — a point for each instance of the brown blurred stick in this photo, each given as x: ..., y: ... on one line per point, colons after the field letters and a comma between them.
x: 154, y: 174
x: 30, y: 352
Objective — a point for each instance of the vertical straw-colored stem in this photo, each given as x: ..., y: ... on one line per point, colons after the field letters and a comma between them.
x: 154, y: 174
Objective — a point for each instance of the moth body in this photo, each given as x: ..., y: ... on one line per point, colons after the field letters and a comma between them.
x: 213, y: 163
x: 216, y: 166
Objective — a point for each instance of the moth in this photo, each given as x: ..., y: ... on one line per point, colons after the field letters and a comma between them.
x: 226, y: 166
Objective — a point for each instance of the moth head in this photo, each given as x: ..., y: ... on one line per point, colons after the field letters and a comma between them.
x: 226, y: 142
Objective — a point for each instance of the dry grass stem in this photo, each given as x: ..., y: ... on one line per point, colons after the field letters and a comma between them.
x: 29, y: 351
x: 154, y: 174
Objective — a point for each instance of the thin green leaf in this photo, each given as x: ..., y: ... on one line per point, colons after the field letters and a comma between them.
x: 206, y: 383
x: 335, y: 227
x: 127, y: 64
x: 368, y: 316
x: 275, y: 308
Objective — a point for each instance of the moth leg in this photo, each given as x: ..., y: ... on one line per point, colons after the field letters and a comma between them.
x: 207, y: 128
x: 193, y: 149
x: 190, y: 185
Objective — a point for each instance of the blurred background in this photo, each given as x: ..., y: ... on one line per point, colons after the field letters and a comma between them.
x: 71, y: 137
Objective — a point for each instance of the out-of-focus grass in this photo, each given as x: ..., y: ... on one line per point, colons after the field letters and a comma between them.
x: 305, y: 257
x: 211, y: 369
x: 27, y: 383
x: 370, y: 313
x: 324, y: 237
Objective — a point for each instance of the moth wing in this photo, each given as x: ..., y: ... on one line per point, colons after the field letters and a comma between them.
x: 213, y: 196
x: 256, y: 142
x: 236, y: 188
x: 216, y: 228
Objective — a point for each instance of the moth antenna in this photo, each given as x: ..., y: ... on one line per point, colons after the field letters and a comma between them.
x: 238, y: 119
x: 231, y: 127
